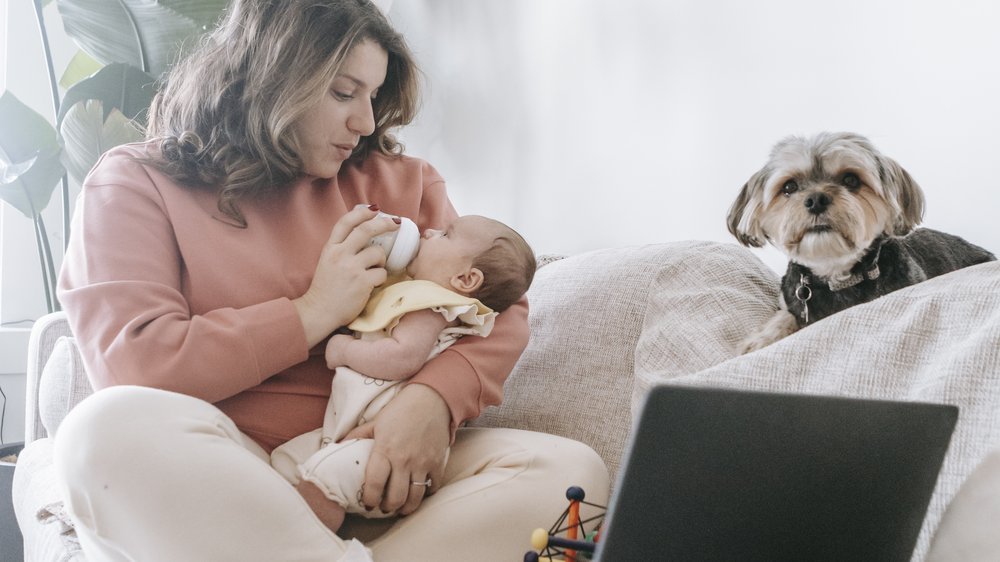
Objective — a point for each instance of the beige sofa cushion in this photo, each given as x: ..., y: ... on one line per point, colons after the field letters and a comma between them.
x: 63, y: 384
x: 938, y: 341
x: 707, y: 298
x: 35, y: 489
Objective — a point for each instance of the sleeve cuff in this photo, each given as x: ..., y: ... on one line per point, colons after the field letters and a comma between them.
x: 276, y: 336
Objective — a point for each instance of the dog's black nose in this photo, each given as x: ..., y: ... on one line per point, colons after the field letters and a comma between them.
x: 816, y: 203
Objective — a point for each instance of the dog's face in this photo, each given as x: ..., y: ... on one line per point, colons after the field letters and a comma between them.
x: 823, y: 200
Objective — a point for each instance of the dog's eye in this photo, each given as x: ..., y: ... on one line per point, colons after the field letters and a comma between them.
x: 851, y: 180
x: 790, y: 187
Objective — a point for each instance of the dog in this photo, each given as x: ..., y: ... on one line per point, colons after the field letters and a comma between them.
x: 845, y: 216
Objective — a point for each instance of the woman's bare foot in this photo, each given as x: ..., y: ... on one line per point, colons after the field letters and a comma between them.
x: 328, y: 511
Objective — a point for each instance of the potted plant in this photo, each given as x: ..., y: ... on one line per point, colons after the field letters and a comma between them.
x: 130, y: 43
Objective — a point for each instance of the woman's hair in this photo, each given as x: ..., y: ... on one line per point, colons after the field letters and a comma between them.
x: 225, y: 116
x: 508, y: 267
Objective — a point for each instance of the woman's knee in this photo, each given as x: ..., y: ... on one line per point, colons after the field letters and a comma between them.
x: 98, y: 419
x: 554, y: 457
x: 114, y: 425
x: 573, y: 456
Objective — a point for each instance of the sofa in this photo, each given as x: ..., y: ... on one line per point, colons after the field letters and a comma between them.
x: 609, y: 324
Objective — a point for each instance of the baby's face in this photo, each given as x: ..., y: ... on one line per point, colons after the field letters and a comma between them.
x: 446, y: 253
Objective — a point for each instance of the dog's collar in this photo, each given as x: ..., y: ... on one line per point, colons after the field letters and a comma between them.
x: 855, y: 278
x: 867, y: 268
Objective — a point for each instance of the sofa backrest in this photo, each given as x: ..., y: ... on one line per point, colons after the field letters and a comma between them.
x: 599, y: 317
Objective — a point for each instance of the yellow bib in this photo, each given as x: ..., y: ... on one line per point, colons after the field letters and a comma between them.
x: 389, y: 303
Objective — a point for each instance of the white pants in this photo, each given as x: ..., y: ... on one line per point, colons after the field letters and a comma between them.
x: 151, y: 475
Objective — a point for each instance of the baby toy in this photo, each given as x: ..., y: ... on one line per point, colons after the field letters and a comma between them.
x: 571, y: 548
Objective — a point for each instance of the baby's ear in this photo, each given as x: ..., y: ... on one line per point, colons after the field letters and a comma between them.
x: 468, y: 282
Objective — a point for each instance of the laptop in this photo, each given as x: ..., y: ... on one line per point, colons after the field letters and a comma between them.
x: 727, y: 475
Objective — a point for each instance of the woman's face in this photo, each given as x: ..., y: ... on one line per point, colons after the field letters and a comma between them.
x: 329, y: 132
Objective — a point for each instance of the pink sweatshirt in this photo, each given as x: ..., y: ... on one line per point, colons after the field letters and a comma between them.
x: 162, y: 290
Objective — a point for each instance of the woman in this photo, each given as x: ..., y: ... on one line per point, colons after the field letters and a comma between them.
x: 206, y: 270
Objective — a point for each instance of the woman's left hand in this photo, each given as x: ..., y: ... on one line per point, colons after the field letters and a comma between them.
x: 411, y: 435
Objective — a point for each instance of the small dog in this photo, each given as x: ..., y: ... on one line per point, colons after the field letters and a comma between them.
x: 844, y: 214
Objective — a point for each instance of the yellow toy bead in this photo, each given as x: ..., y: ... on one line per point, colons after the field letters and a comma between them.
x: 539, y: 539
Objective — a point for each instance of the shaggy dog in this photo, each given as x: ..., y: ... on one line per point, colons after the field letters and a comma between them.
x: 844, y: 214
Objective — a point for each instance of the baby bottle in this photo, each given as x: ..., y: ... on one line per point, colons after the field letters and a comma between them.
x: 400, y: 245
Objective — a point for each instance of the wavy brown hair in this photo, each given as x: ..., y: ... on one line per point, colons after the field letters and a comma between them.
x: 225, y: 116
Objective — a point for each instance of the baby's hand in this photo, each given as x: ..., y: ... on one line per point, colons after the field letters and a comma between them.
x: 335, y: 349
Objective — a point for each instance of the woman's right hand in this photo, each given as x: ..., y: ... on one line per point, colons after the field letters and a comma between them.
x: 348, y: 269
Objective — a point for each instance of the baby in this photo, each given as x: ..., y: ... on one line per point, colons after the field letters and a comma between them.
x: 460, y: 279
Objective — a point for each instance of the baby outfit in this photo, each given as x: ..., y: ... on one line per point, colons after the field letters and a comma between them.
x: 338, y: 469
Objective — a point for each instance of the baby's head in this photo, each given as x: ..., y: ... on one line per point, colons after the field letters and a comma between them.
x: 478, y: 257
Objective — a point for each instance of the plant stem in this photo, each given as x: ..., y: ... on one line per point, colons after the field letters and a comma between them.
x: 54, y: 90
x: 46, y: 282
x: 50, y: 263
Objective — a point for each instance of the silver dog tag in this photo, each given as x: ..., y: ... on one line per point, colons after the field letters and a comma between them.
x: 804, y: 292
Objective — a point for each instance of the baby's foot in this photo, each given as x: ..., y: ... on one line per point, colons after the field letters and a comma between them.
x: 328, y: 511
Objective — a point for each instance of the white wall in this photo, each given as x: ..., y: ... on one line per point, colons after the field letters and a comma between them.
x: 587, y: 123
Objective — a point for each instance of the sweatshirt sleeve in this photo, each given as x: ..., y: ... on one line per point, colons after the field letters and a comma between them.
x: 121, y: 287
x: 470, y: 374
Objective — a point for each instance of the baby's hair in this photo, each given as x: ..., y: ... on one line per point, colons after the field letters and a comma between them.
x: 508, y: 267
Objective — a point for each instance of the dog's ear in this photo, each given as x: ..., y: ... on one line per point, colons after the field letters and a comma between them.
x: 744, y: 215
x: 905, y: 195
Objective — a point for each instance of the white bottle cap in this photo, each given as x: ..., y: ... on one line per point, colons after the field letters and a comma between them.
x: 400, y: 245
x: 404, y: 249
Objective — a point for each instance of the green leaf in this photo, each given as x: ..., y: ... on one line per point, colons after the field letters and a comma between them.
x: 87, y: 134
x: 117, y: 86
x: 148, y: 34
x: 80, y: 66
x: 29, y: 157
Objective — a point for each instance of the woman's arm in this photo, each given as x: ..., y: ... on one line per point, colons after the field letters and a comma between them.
x: 470, y: 375
x: 130, y: 267
x: 396, y: 357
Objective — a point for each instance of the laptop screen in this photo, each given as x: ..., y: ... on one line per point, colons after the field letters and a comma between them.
x: 718, y: 474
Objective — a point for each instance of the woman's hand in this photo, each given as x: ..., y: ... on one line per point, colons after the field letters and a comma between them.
x: 411, y: 437
x: 348, y: 269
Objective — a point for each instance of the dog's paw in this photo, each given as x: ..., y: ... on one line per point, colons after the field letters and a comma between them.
x: 777, y: 327
x: 753, y: 343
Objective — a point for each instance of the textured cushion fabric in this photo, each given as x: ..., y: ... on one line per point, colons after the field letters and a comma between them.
x: 575, y: 376
x: 63, y: 384
x: 707, y: 297
x: 937, y: 341
x: 35, y: 488
x: 44, y: 334
x: 589, y: 311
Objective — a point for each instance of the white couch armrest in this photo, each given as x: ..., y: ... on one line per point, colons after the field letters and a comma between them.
x: 44, y: 334
x: 56, y: 379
